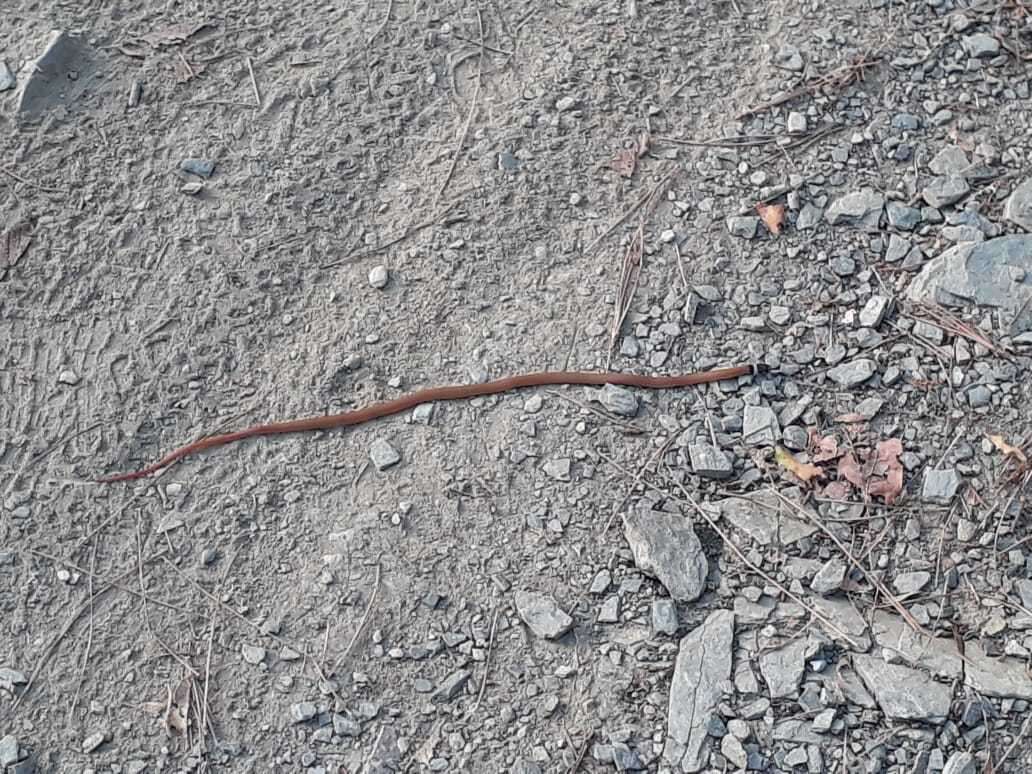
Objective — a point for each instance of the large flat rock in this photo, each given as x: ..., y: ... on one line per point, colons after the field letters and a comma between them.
x: 996, y: 273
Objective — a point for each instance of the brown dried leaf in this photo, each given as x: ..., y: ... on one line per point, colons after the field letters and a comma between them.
x: 849, y: 470
x: 889, y: 469
x: 625, y: 163
x: 836, y: 490
x: 824, y: 449
x: 773, y: 216
x: 174, y: 35
x: 802, y: 470
x: 1007, y: 449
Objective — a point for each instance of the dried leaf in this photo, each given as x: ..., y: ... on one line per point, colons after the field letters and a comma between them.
x: 849, y: 470
x: 889, y: 469
x: 802, y: 470
x: 625, y: 163
x: 186, y: 72
x: 1007, y: 449
x: 174, y: 35
x: 824, y: 449
x: 836, y: 490
x: 773, y: 216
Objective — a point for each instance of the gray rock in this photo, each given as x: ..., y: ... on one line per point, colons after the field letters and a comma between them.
x: 860, y: 208
x: 744, y: 226
x: 732, y: 749
x: 902, y: 216
x: 253, y: 654
x: 960, y: 763
x: 9, y: 678
x: 379, y: 277
x: 995, y: 273
x: 618, y: 400
x: 829, y: 578
x: 558, y: 469
x: 383, y: 455
x: 853, y: 373
x: 979, y: 396
x: 898, y: 249
x: 8, y: 750
x: 904, y: 693
x: 760, y: 426
x: 7, y: 79
x: 702, y: 669
x: 610, y: 610
x: 874, y: 310
x: 345, y: 726
x: 1000, y: 678
x: 200, y: 167
x: 782, y: 668
x: 981, y: 45
x: 842, y: 622
x: 60, y: 74
x: 943, y: 191
x: 665, y: 546
x: 796, y: 122
x: 93, y: 741
x: 303, y: 711
x: 950, y: 161
x: 453, y: 684
x: 664, y: 616
x: 788, y: 57
x: 1018, y: 209
x: 1023, y: 586
x: 809, y: 217
x: 938, y: 655
x: 763, y: 517
x: 907, y: 583
x: 940, y: 486
x: 601, y: 582
x: 709, y: 461
x: 542, y: 615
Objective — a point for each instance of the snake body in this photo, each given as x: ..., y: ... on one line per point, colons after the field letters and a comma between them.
x: 433, y: 394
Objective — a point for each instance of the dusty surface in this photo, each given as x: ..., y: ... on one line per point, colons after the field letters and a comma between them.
x: 312, y: 611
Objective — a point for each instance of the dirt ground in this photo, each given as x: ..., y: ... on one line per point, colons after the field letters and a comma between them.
x: 403, y: 195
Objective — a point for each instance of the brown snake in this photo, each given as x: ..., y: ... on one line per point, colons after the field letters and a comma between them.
x: 455, y: 392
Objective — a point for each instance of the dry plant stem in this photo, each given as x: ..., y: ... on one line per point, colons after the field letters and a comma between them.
x: 383, y: 24
x: 875, y: 580
x: 211, y: 638
x: 458, y: 392
x: 89, y: 632
x: 362, y: 623
x: 645, y: 201
x: 630, y: 272
x: 254, y: 83
x: 146, y: 611
x: 487, y: 663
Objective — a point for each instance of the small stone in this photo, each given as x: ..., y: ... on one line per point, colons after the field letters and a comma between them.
x: 542, y: 615
x: 93, y: 741
x: 601, y: 582
x: 829, y: 578
x: 345, y: 726
x: 788, y: 57
x: 796, y: 122
x: 860, y: 208
x: 854, y: 373
x: 898, y: 249
x: 303, y: 711
x: 192, y: 189
x: 664, y: 616
x: 610, y: 611
x: 901, y: 216
x: 68, y: 376
x: 809, y: 217
x: 8, y: 750
x: 943, y: 191
x: 378, y: 277
x: 874, y: 310
x: 732, y: 749
x: 665, y: 546
x: 951, y: 160
x: 208, y: 556
x: 709, y: 461
x: 451, y: 686
x: 565, y: 103
x: 7, y: 80
x: 908, y: 583
x: 1018, y: 208
x: 744, y: 226
x: 253, y: 654
x: 558, y: 469
x: 619, y: 400
x: 760, y: 426
x: 981, y: 45
x: 200, y: 167
x: 383, y: 455
x: 940, y: 486
x: 979, y: 396
x: 960, y: 763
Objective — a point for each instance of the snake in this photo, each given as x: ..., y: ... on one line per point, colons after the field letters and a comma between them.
x: 433, y: 395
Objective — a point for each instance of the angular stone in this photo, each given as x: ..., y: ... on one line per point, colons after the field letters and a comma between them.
x: 995, y: 273
x: 842, y: 622
x: 383, y: 455
x: 542, y: 615
x: 1018, y: 209
x: 709, y: 461
x: 618, y: 400
x: 7, y: 79
x: 904, y: 693
x: 951, y: 160
x: 943, y: 191
x: 8, y: 750
x: 200, y: 167
x: 451, y: 686
x: 782, y: 669
x: 1000, y: 678
x: 902, y: 216
x: 49, y: 84
x: 860, y: 208
x: 745, y: 227
x: 874, y: 310
x: 960, y: 763
x: 829, y: 578
x: 853, y: 373
x: 665, y: 546
x: 664, y: 616
x: 760, y: 426
x: 981, y: 45
x: 907, y: 583
x: 940, y: 485
x: 701, y: 672
x: 809, y: 217
x: 938, y: 655
x: 763, y: 517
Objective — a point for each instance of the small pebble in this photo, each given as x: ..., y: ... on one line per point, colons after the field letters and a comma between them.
x: 378, y: 277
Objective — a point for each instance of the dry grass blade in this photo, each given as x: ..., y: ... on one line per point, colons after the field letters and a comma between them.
x: 950, y: 323
x: 646, y: 203
x: 630, y: 273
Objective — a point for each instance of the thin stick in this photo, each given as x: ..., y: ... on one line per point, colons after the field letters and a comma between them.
x: 254, y: 83
x: 37, y: 186
x: 362, y: 622
x: 487, y: 663
x: 642, y: 202
x: 89, y: 633
x: 680, y: 266
x: 469, y: 118
x: 211, y: 637
x: 383, y: 24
